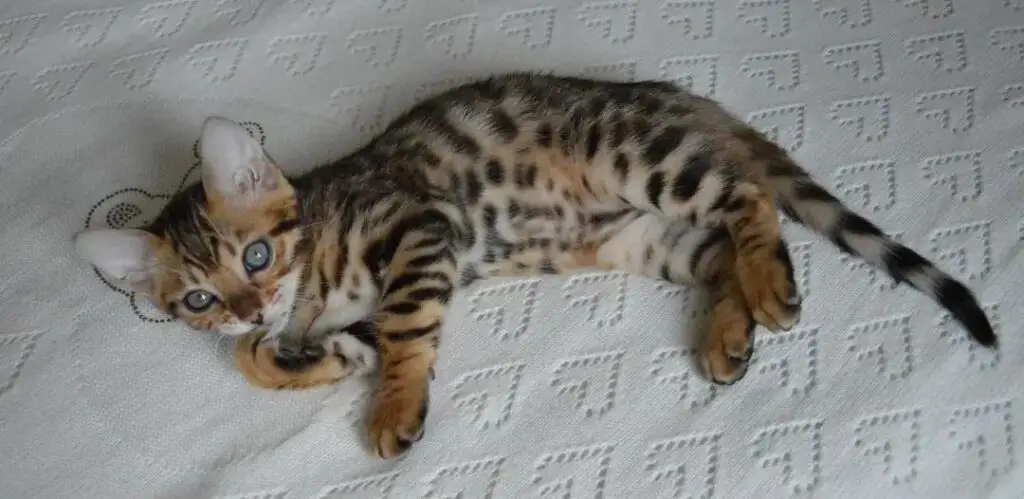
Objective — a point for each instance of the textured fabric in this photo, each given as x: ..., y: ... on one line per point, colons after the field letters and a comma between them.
x: 578, y: 387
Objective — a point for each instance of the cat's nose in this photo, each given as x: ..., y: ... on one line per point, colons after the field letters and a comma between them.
x: 247, y: 307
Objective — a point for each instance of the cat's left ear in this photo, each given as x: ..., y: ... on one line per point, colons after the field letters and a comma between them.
x: 236, y: 169
x: 127, y: 255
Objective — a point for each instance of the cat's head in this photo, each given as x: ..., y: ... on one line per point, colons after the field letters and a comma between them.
x: 219, y: 256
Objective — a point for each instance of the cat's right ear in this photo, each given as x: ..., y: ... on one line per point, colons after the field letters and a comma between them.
x: 236, y: 170
x: 127, y: 255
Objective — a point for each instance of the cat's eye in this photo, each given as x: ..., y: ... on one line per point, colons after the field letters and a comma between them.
x: 256, y: 256
x: 198, y: 300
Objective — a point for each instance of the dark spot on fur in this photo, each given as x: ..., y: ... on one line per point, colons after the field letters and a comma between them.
x: 735, y: 205
x: 601, y: 219
x: 597, y: 106
x: 712, y: 239
x: 649, y: 104
x: 430, y: 158
x: 663, y: 144
x: 721, y: 200
x: 618, y: 132
x: 565, y: 138
x: 593, y: 141
x: 490, y: 214
x: 514, y: 208
x: 490, y: 256
x: 621, y: 166
x: 688, y: 181
x: 777, y: 168
x: 811, y: 191
x: 429, y: 259
x: 678, y: 110
x: 641, y: 129
x: 402, y: 308
x: 284, y: 226
x: 856, y: 224
x: 412, y: 334
x: 902, y: 261
x: 456, y: 183
x: 503, y: 124
x: 459, y: 142
x: 474, y: 188
x: 414, y: 277
x: 544, y: 135
x: 531, y: 174
x: 495, y: 172
x: 442, y: 295
x: 666, y: 273
x: 655, y: 184
x: 782, y: 254
x: 324, y: 283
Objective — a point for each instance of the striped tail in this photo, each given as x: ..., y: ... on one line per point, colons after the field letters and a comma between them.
x: 808, y: 203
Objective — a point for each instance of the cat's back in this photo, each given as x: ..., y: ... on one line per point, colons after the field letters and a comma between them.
x: 488, y: 104
x: 500, y: 131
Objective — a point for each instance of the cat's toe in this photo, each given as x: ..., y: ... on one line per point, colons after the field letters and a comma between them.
x: 363, y: 358
x: 397, y: 423
x: 730, y: 341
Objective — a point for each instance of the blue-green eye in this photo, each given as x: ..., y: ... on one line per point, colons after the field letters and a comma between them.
x: 256, y: 256
x: 198, y: 300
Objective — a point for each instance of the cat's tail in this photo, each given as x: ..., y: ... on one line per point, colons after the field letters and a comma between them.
x: 808, y: 203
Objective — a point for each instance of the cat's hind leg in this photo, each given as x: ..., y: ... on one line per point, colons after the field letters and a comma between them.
x: 710, y: 180
x: 676, y: 252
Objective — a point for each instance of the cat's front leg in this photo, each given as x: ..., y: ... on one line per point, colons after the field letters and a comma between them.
x: 294, y: 348
x: 417, y: 290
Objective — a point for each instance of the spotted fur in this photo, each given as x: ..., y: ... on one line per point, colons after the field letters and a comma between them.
x: 521, y: 174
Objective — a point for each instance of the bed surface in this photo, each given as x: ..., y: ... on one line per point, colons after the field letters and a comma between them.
x: 583, y: 386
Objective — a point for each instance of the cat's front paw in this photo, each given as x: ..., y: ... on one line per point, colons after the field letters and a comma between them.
x: 355, y: 354
x: 397, y: 422
x: 296, y: 356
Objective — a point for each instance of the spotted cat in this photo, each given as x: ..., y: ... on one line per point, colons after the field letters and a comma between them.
x: 520, y: 174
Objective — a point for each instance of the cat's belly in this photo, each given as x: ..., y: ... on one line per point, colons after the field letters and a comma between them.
x: 529, y: 235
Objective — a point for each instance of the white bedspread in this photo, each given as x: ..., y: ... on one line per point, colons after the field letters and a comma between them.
x: 580, y: 387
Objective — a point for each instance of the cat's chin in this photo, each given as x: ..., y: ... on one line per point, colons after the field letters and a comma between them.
x: 236, y: 329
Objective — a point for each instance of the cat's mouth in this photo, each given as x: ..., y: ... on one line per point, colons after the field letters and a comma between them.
x: 235, y: 329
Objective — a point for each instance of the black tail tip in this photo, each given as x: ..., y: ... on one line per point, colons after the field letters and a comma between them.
x: 956, y: 298
x: 985, y: 336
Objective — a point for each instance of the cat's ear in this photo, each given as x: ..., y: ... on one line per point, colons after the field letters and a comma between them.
x: 236, y: 170
x: 127, y: 255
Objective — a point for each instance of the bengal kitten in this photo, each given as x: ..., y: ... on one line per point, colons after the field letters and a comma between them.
x: 521, y: 174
